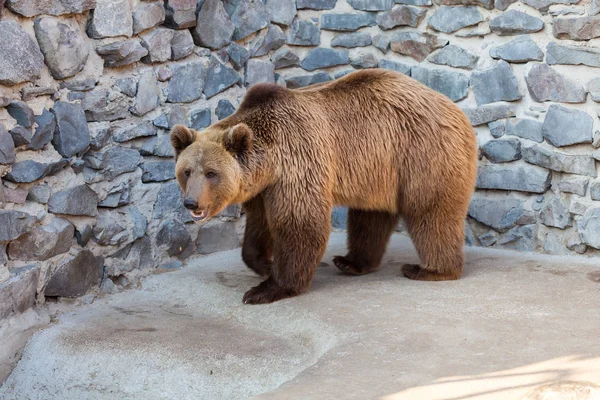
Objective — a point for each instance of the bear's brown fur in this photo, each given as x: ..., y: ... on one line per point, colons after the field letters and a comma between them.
x: 376, y: 141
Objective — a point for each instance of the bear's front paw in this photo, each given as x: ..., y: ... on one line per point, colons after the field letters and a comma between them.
x: 266, y: 292
x: 347, y: 267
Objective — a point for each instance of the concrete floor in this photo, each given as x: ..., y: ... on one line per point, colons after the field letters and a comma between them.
x: 516, y: 326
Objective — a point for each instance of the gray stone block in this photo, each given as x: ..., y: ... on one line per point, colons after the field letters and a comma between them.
x: 258, y: 71
x: 454, y: 56
x: 489, y: 113
x: 350, y: 40
x: 514, y: 22
x: 517, y: 177
x: 495, y: 84
x: 174, y: 237
x: 249, y: 17
x: 500, y: 213
x: 20, y: 57
x: 520, y: 50
x: 450, y: 19
x: 453, y: 85
x: 347, y: 22
x: 44, y: 132
x: 200, y: 119
x: 77, y: 200
x: 113, y: 161
x: 565, y: 126
x: 501, y: 151
x: 400, y: 16
x: 281, y: 11
x: 572, y: 55
x: 284, y: 57
x: 147, y: 96
x: 158, y: 43
x: 180, y: 14
x: 364, y: 60
x: 555, y: 213
x: 576, y: 186
x: 589, y: 227
x: 214, y: 29
x: 304, y: 33
x: 158, y: 171
x: 120, y: 226
x: 316, y: 4
x: 129, y: 129
x: 561, y: 162
x: 105, y: 105
x: 545, y: 84
x: 20, y: 111
x: 224, y: 109
x: 75, y: 275
x: 219, y: 78
x: 217, y: 236
x: 14, y: 224
x: 32, y: 8
x: 324, y: 58
x: 395, y: 66
x: 18, y: 293
x: 122, y: 53
x: 71, y: 136
x: 371, y: 5
x: 296, y: 81
x: 64, y: 47
x: 187, y: 82
x: 415, y: 44
x: 43, y: 242
x: 27, y: 171
x: 147, y: 15
x: 266, y: 43
x: 111, y: 18
x: 182, y: 45
x: 578, y: 28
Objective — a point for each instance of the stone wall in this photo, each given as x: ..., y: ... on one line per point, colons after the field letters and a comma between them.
x: 90, y: 88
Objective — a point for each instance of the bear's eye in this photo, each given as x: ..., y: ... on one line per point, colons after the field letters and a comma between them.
x: 210, y: 174
x: 187, y: 172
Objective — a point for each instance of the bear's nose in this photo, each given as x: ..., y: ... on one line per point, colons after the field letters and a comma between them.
x: 190, y: 204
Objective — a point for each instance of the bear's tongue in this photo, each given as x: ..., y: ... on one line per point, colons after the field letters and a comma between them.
x: 199, y: 216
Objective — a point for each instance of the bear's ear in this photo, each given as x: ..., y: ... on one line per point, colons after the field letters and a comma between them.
x: 238, y: 141
x: 181, y: 137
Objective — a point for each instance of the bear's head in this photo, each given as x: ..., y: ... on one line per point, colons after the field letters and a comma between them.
x: 211, y: 167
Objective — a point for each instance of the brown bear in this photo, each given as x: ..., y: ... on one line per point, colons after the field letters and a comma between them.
x: 376, y: 141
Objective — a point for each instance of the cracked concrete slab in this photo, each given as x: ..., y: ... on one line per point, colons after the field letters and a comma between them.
x: 516, y: 326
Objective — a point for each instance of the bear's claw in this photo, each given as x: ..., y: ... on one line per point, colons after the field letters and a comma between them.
x: 415, y: 272
x: 347, y: 267
x: 266, y: 292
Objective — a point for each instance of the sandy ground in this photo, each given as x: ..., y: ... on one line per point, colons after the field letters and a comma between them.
x: 516, y: 326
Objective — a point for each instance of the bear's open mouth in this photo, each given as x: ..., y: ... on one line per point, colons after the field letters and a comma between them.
x: 199, y: 215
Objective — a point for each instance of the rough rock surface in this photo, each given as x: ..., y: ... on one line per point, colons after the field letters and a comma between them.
x: 565, y: 126
x: 64, y: 47
x: 111, y: 18
x: 450, y: 19
x: 416, y: 45
x: 514, y: 22
x: 495, y: 84
x: 20, y: 57
x: 454, y: 56
x: 545, y: 84
x: 453, y: 85
x: 520, y: 50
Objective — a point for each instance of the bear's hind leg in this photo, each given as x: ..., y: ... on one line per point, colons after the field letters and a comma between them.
x: 368, y: 236
x: 258, y: 243
x: 439, y: 240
